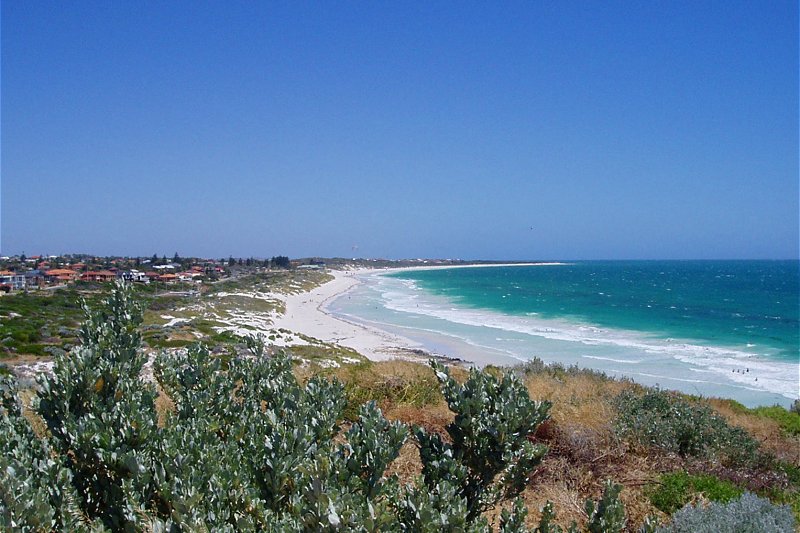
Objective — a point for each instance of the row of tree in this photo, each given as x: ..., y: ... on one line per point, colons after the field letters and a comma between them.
x: 280, y: 261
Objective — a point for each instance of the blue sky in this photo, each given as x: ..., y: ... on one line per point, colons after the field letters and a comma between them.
x: 530, y: 130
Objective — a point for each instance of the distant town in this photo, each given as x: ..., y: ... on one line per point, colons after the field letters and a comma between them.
x: 42, y: 272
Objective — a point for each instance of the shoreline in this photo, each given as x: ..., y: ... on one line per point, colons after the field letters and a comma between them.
x: 307, y: 313
x: 378, y: 341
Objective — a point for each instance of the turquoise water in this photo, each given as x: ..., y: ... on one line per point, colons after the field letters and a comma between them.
x: 753, y: 304
x: 714, y: 328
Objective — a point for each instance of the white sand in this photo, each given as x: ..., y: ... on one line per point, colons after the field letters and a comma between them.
x: 305, y: 313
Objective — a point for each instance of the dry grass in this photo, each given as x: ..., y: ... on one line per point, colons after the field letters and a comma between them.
x: 585, y: 451
x: 164, y: 407
x: 407, y: 371
x: 389, y: 383
x: 433, y: 418
x: 38, y: 425
x: 765, y: 430
x: 407, y: 466
x: 182, y: 336
x: 582, y: 399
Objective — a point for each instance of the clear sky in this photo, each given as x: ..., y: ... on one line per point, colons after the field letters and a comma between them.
x: 476, y: 130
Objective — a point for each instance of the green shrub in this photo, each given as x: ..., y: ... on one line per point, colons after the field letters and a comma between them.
x: 559, y: 371
x: 224, y: 337
x: 101, y: 415
x: 608, y: 514
x: 160, y: 342
x: 748, y: 513
x: 35, y: 490
x: 789, y: 421
x: 489, y: 438
x: 664, y: 420
x: 676, y: 489
x: 785, y: 497
x: 27, y: 335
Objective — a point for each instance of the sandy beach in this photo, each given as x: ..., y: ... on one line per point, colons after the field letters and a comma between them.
x: 305, y: 313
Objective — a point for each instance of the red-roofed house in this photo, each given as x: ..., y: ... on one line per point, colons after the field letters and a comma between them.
x: 99, y: 275
x: 60, y: 274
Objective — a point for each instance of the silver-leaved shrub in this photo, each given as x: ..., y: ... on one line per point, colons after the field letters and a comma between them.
x: 745, y: 514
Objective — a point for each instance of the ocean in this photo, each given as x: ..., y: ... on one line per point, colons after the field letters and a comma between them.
x: 712, y: 328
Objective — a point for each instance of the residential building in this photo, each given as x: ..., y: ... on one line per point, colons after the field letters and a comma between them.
x: 133, y: 275
x: 13, y: 279
x: 60, y: 275
x: 34, y: 278
x: 98, y: 275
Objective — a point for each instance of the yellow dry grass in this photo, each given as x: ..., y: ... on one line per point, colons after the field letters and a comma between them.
x: 38, y: 425
x: 765, y: 430
x: 407, y: 466
x: 182, y: 336
x: 433, y: 418
x: 580, y: 399
x: 164, y: 406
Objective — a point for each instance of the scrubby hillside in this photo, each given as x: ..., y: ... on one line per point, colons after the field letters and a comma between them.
x: 248, y: 441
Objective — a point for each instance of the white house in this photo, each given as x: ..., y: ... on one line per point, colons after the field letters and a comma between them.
x: 16, y: 281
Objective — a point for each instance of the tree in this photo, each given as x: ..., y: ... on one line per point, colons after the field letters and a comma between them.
x: 281, y: 261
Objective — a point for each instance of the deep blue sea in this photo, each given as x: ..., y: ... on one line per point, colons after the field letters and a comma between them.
x: 716, y: 328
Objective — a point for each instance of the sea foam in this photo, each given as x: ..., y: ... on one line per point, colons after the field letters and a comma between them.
x: 733, y: 366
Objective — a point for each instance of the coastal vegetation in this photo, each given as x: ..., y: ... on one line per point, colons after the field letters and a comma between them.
x: 247, y: 438
x: 37, y: 324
